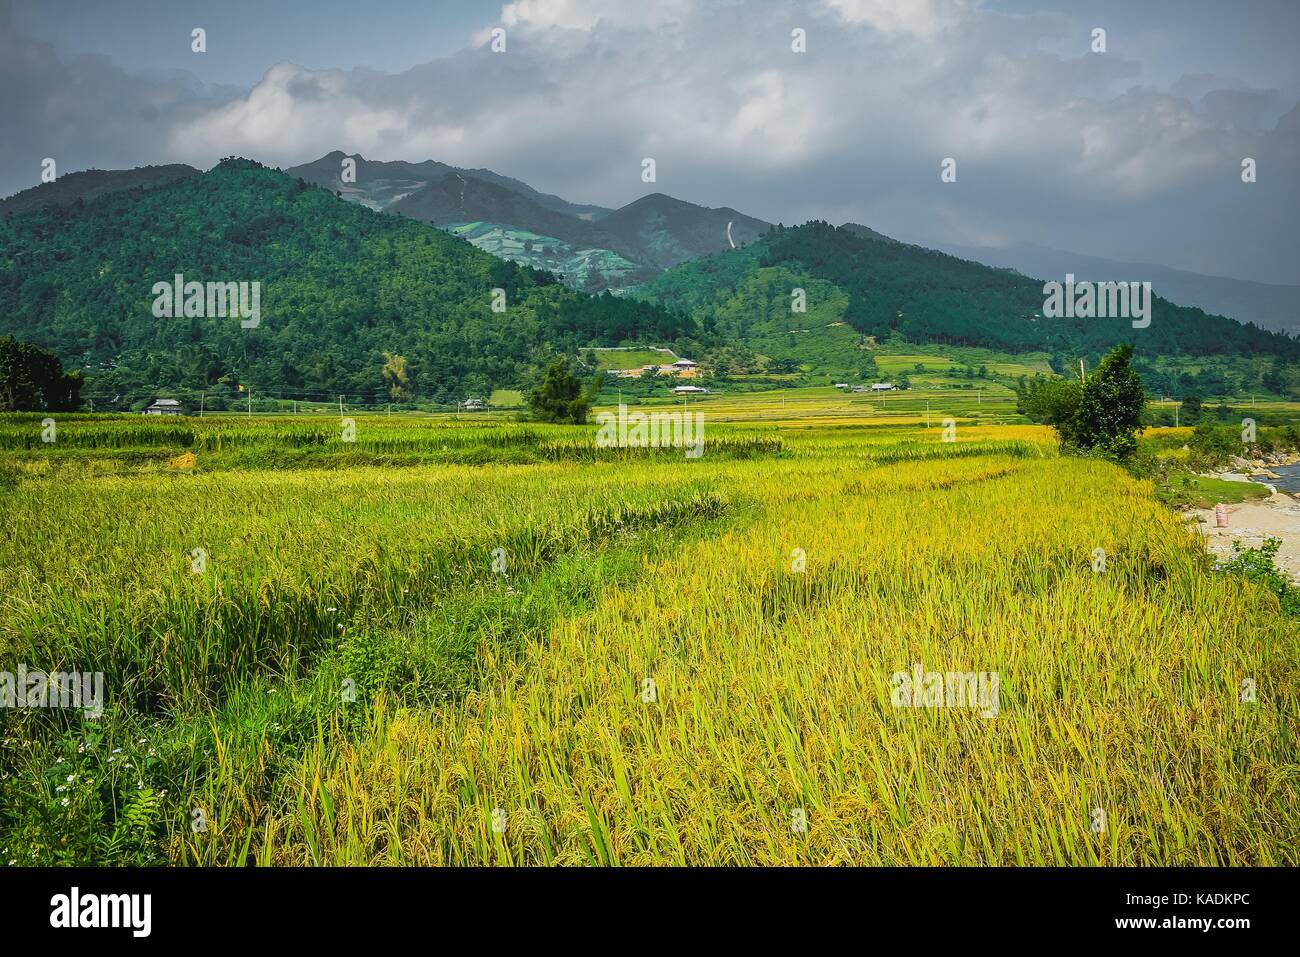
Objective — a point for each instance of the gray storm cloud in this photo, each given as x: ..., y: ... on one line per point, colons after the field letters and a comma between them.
x: 1059, y: 148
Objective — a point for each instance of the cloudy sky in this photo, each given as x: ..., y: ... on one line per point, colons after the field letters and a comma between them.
x: 1132, y: 154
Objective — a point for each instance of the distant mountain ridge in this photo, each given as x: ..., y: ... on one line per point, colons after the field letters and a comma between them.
x: 594, y: 248
x: 89, y: 184
x: 374, y: 176
x: 652, y: 233
x: 341, y: 289
x: 1275, y: 307
x: 670, y: 231
x: 859, y: 289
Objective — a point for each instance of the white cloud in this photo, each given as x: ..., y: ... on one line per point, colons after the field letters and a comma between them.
x: 586, y: 14
x: 920, y: 18
x: 1054, y: 147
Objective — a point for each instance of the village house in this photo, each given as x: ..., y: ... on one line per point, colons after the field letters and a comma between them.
x: 883, y: 387
x: 164, y: 407
x: 689, y: 390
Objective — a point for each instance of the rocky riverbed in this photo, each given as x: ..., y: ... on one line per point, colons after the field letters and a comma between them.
x: 1251, y: 523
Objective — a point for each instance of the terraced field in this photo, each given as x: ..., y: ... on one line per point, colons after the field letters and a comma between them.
x: 492, y: 643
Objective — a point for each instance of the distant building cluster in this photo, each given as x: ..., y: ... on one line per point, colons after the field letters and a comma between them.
x: 875, y: 387
x: 682, y: 369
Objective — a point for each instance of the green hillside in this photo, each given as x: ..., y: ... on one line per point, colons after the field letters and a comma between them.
x: 863, y: 290
x: 341, y: 287
x: 92, y: 183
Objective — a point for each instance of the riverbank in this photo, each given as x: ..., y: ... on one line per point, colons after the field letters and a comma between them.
x: 1251, y: 523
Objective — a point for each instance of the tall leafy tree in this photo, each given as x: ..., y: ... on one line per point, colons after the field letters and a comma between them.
x: 1110, y: 407
x: 560, y: 396
x: 32, y: 380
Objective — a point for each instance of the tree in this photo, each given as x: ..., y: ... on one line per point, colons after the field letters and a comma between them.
x: 32, y: 380
x: 1190, y: 411
x: 396, y: 378
x: 1110, y: 408
x: 559, y: 397
x: 1273, y: 380
x: 1048, y: 401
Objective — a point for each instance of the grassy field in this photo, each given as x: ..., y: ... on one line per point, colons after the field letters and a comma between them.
x: 474, y: 641
x: 822, y: 404
x: 607, y: 359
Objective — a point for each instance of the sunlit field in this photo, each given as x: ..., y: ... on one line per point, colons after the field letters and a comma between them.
x: 995, y: 404
x: 478, y: 641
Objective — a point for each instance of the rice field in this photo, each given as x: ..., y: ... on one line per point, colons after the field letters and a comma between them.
x: 480, y: 641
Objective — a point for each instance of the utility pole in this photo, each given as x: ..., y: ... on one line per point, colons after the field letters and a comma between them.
x: 250, y: 401
x: 927, y: 413
x: 1081, y: 376
x: 340, y: 407
x: 202, y: 396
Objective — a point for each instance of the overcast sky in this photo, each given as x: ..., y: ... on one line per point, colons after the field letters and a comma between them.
x: 1132, y: 154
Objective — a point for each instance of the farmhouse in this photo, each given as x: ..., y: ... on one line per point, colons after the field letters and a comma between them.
x: 883, y: 387
x: 164, y: 407
x: 473, y: 405
x: 689, y: 390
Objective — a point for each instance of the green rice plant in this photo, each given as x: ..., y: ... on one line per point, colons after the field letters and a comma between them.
x: 535, y: 651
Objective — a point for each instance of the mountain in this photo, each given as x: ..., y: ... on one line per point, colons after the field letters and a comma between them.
x: 381, y: 183
x: 546, y: 200
x: 496, y: 213
x: 590, y: 247
x: 1267, y: 306
x: 378, y: 184
x: 866, y: 232
x: 457, y: 198
x: 666, y: 231
x: 859, y: 289
x: 88, y: 184
x: 342, y: 288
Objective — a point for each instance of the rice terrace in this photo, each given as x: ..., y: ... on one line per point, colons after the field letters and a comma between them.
x: 472, y: 642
